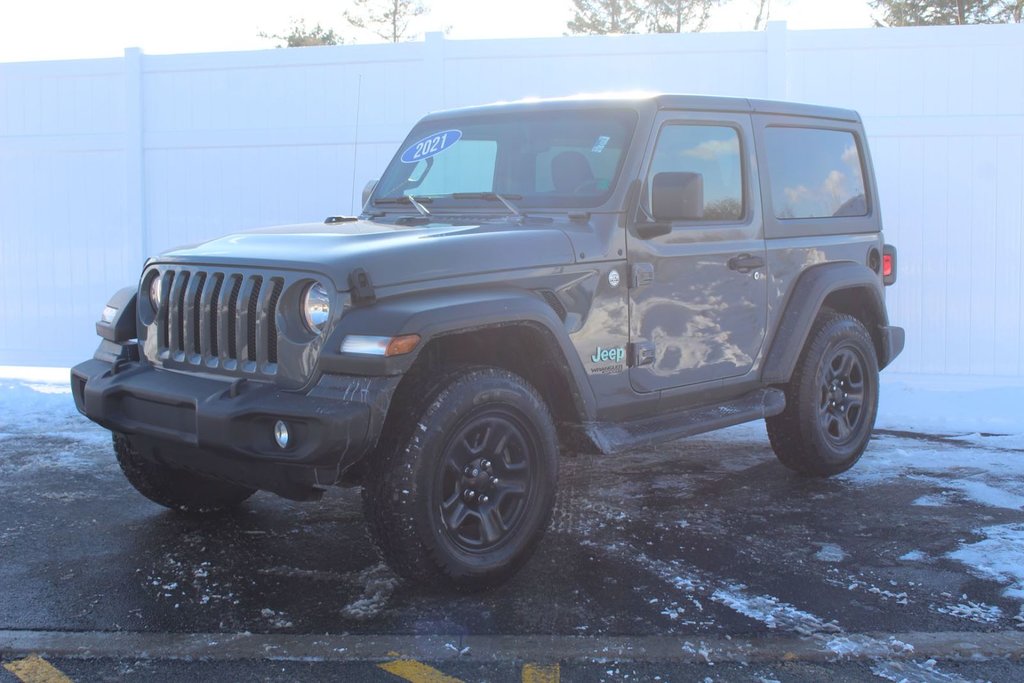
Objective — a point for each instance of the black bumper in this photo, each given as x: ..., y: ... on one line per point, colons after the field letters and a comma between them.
x: 225, y: 428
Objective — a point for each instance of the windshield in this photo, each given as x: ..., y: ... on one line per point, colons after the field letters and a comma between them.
x: 541, y: 159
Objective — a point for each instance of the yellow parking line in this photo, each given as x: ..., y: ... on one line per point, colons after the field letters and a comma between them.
x: 535, y: 673
x: 36, y: 670
x: 416, y: 672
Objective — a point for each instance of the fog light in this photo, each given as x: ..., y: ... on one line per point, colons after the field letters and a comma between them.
x: 281, y: 434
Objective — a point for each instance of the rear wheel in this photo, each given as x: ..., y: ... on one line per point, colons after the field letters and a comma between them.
x: 831, y: 400
x: 173, y: 488
x: 461, y: 496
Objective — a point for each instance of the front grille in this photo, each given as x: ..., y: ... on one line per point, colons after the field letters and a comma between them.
x: 219, y: 320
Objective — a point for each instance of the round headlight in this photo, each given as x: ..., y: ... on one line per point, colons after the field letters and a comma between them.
x: 316, y: 306
x: 155, y: 291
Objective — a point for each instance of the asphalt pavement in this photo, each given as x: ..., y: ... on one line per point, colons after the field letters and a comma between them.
x: 699, y: 559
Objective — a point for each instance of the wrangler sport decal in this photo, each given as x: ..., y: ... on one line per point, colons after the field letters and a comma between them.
x: 612, y: 359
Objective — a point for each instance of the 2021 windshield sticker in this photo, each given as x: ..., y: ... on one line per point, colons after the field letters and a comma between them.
x: 432, y: 145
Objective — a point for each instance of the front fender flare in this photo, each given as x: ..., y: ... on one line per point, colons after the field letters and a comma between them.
x: 436, y: 314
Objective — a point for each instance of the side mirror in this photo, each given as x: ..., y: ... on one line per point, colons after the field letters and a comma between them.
x: 677, y: 196
x: 648, y: 230
x: 368, y: 189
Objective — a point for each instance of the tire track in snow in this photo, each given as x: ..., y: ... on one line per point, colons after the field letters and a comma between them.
x: 891, y: 655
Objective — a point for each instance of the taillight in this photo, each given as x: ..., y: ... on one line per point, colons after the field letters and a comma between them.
x: 888, y: 264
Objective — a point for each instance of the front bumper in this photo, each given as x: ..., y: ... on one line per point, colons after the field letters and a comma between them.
x: 224, y: 428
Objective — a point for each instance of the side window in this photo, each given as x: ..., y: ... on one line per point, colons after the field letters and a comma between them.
x: 815, y: 173
x: 703, y: 163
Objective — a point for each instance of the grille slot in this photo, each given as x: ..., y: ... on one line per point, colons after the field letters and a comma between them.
x: 215, y: 314
x: 223, y: 321
x: 197, y: 313
x: 178, y: 302
x: 275, y: 296
x: 251, y: 319
x: 164, y: 314
x: 233, y: 316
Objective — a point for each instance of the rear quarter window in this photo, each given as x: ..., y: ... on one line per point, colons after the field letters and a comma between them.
x: 815, y: 173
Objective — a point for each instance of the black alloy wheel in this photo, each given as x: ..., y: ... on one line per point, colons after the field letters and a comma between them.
x: 485, y: 484
x: 841, y: 406
x: 831, y: 399
x: 462, y: 489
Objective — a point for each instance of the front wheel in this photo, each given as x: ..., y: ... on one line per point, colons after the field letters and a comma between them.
x: 831, y: 400
x: 463, y: 494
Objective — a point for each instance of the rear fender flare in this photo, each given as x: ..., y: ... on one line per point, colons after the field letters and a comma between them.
x: 804, y: 303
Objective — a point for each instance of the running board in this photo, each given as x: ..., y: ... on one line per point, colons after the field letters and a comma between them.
x: 615, y: 437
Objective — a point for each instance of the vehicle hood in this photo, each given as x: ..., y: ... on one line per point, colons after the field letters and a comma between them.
x: 391, y: 254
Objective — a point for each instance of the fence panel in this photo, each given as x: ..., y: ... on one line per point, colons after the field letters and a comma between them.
x: 103, y: 162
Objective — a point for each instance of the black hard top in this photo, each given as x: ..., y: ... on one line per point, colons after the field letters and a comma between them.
x: 668, y: 102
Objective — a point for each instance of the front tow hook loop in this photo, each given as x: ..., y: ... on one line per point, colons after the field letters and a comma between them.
x: 236, y: 387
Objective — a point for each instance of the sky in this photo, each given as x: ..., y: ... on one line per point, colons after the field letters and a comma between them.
x: 33, y: 30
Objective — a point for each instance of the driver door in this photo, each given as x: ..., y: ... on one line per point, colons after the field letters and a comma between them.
x: 698, y: 296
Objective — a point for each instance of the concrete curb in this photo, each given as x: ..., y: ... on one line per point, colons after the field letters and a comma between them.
x: 950, y: 645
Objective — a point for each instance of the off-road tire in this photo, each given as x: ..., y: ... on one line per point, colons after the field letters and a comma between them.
x: 174, y: 488
x: 831, y: 399
x: 428, y: 498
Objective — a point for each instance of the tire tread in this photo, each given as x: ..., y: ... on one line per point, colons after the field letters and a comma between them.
x: 792, y: 432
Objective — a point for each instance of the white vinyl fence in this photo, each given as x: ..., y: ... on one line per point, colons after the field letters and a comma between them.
x: 103, y: 162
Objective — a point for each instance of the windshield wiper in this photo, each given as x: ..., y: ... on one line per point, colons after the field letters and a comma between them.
x: 492, y: 197
x: 417, y: 202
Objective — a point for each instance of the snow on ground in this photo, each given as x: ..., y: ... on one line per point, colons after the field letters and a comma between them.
x: 950, y: 404
x: 976, y: 425
x: 999, y: 557
x: 38, y: 401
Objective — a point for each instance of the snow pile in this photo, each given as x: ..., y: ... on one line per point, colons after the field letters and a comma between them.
x: 951, y: 404
x: 998, y: 557
x: 38, y: 402
x: 377, y: 583
x: 35, y: 400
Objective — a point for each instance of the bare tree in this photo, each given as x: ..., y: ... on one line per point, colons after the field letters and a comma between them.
x: 301, y: 36
x: 600, y: 17
x: 945, y: 12
x: 636, y: 16
x: 388, y: 19
x: 764, y: 10
x: 676, y: 16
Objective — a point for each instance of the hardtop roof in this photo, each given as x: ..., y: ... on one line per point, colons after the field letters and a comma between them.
x: 665, y: 102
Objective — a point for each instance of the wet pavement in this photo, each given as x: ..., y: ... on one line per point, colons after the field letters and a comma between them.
x: 703, y: 558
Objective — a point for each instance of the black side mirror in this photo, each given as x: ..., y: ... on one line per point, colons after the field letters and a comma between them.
x: 677, y: 196
x: 648, y: 230
x: 368, y: 189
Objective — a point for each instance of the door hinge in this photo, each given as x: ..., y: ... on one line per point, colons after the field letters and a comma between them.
x: 642, y: 274
x: 641, y: 353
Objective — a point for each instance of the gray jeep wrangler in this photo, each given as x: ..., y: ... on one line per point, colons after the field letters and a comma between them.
x: 525, y: 279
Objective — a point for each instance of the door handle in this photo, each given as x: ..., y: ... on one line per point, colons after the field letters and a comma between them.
x: 745, y: 263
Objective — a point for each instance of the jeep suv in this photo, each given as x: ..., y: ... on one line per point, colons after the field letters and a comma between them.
x: 525, y: 279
